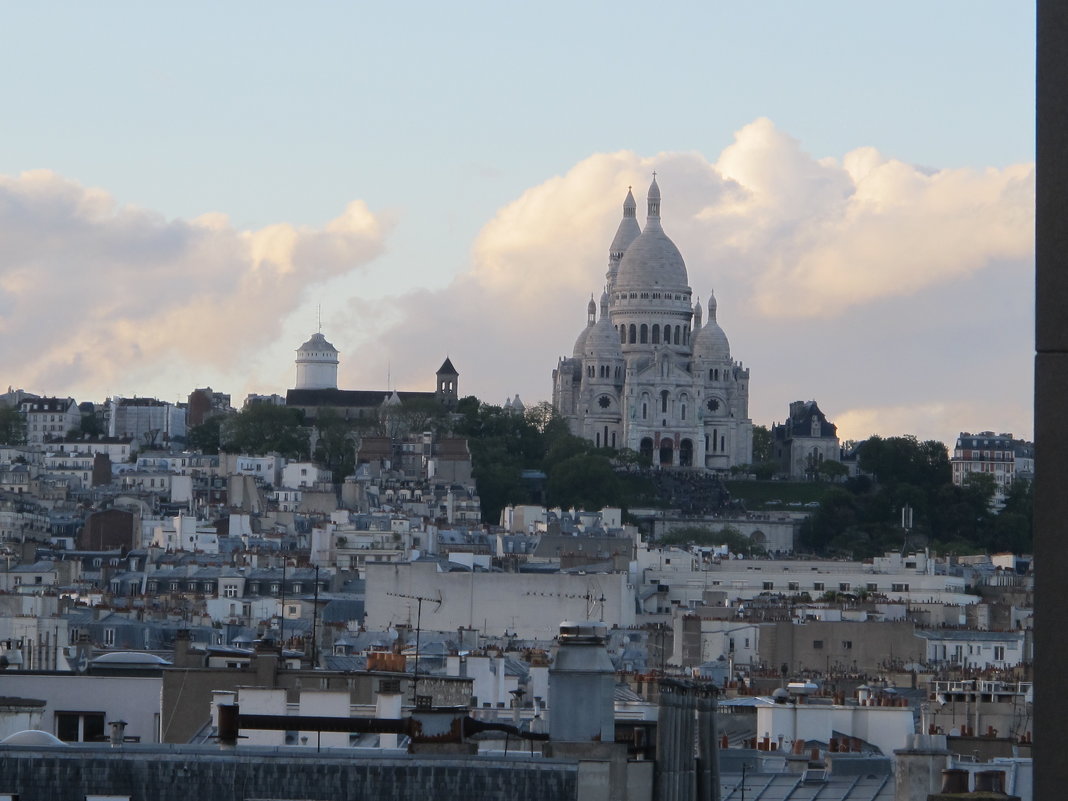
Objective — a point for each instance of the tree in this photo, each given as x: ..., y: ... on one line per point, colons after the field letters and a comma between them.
x: 335, y: 447
x: 263, y: 428
x: 761, y: 444
x: 12, y: 426
x: 584, y: 481
x: 206, y: 436
x: 832, y: 470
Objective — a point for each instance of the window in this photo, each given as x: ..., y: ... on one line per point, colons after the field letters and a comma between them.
x: 793, y: 586
x: 769, y: 585
x: 873, y: 587
x: 818, y: 586
x: 230, y: 591
x: 847, y: 645
x: 899, y: 587
x: 817, y: 644
x: 80, y: 727
x: 843, y: 587
x: 999, y: 653
x: 109, y: 638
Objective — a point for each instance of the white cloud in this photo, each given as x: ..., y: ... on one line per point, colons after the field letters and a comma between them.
x: 96, y: 296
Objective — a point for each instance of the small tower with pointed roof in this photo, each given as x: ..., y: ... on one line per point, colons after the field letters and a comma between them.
x: 446, y: 388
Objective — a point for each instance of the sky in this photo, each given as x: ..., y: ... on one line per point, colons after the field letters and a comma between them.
x: 187, y: 192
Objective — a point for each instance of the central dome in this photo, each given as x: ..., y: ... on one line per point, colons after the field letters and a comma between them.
x: 652, y: 261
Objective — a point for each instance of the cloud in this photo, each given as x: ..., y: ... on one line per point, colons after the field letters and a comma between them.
x: 837, y: 278
x: 98, y: 296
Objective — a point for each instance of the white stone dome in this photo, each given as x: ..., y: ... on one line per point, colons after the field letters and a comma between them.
x: 710, y: 342
x: 602, y: 341
x: 580, y: 342
x: 652, y: 261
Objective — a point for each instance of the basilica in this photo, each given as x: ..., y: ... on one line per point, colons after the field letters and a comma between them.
x: 646, y: 373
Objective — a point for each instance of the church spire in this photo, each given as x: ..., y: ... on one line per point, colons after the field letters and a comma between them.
x: 654, y: 199
x: 696, y: 315
x: 711, y: 306
x: 630, y: 207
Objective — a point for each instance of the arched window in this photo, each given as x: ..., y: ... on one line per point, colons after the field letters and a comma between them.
x: 682, y: 413
x: 633, y: 334
x: 622, y: 335
x: 646, y: 448
x: 715, y: 441
x: 656, y: 335
x: 613, y: 439
x: 663, y: 401
x: 677, y: 334
x: 644, y: 334
x: 710, y: 373
x: 645, y: 410
x: 598, y: 439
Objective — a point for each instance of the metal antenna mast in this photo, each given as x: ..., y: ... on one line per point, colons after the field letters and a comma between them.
x: 418, y: 632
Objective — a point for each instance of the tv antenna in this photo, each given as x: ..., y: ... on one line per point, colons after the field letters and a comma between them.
x: 418, y: 631
x: 591, y: 600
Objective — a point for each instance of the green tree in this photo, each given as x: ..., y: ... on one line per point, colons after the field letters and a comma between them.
x: 584, y: 481
x: 263, y: 428
x: 761, y: 444
x: 206, y: 436
x: 335, y: 447
x: 12, y: 426
x: 832, y: 470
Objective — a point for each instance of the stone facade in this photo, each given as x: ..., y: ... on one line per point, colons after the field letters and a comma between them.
x: 646, y: 374
x: 804, y: 441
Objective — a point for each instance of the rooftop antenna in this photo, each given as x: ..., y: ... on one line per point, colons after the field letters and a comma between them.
x: 418, y: 631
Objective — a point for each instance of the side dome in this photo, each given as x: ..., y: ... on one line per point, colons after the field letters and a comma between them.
x: 602, y: 341
x: 652, y: 261
x: 710, y: 342
x: 580, y: 343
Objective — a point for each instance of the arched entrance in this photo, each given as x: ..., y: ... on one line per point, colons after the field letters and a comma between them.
x: 646, y: 449
x: 686, y: 453
x: 667, y: 452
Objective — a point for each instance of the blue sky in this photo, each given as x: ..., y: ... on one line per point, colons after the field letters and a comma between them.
x: 439, y: 118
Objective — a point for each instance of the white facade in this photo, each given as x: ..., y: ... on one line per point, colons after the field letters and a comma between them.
x: 87, y: 701
x: 184, y: 533
x: 899, y: 579
x: 296, y: 475
x: 529, y: 605
x: 645, y: 374
x: 49, y: 418
x: 146, y: 420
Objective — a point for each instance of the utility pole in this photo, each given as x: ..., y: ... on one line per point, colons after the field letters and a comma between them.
x: 418, y: 632
x: 315, y: 620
